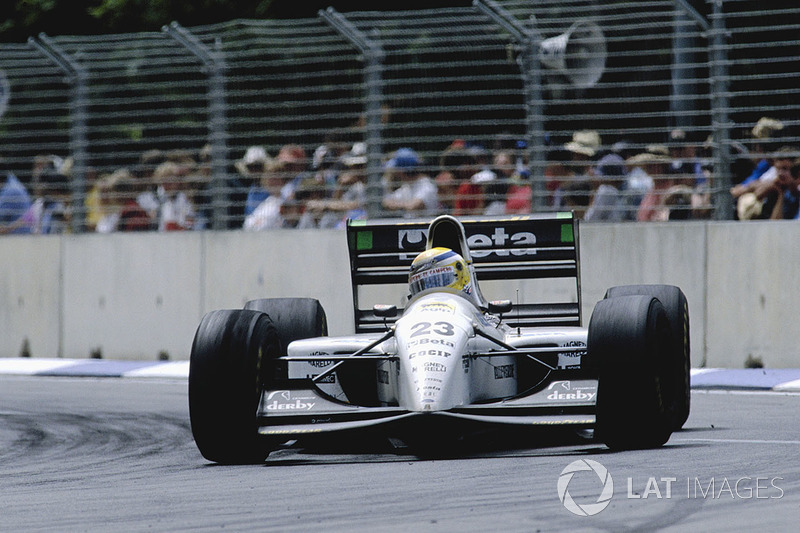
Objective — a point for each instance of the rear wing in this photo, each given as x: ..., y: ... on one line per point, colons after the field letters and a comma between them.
x: 535, y: 246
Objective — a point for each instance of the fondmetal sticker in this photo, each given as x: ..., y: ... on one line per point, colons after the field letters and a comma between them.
x: 284, y: 400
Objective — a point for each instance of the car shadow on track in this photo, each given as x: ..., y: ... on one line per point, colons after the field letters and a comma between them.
x: 376, y: 448
x: 487, y: 445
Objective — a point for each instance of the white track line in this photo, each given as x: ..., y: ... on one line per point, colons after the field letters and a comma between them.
x: 176, y: 369
x: 25, y: 366
x: 737, y: 441
x: 789, y: 386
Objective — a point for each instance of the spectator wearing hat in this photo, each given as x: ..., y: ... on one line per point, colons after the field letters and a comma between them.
x: 765, y: 140
x: 177, y: 210
x: 652, y: 166
x: 581, y: 149
x: 664, y: 199
x: 580, y: 152
x: 763, y: 143
x: 252, y: 168
x: 638, y: 182
x: 416, y: 194
x: 252, y: 163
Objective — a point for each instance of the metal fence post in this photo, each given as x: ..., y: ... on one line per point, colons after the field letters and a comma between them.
x: 77, y: 77
x: 373, y: 80
x: 683, y: 106
x: 719, y: 112
x: 213, y: 63
x: 529, y: 41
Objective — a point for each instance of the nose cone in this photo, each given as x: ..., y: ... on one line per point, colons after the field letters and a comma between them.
x: 437, y: 383
x: 431, y: 338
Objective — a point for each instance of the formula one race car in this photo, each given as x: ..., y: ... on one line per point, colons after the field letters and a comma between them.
x: 448, y: 362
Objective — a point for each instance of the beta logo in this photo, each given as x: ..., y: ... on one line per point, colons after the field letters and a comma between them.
x: 413, y: 240
x: 500, y: 238
x: 586, y: 509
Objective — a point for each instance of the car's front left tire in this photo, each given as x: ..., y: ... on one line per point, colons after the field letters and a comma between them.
x: 627, y: 343
x: 679, y: 375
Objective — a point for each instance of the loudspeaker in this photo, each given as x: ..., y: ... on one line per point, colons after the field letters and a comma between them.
x: 579, y: 53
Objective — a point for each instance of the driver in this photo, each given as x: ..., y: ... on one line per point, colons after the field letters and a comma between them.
x: 441, y: 269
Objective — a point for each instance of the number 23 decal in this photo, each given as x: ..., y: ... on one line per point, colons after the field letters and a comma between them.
x: 424, y: 328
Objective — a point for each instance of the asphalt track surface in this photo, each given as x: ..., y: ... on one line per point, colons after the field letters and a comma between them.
x: 100, y: 454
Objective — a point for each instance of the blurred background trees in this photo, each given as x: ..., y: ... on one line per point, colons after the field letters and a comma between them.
x: 20, y: 19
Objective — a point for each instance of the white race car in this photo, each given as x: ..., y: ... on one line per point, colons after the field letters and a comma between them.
x: 449, y: 361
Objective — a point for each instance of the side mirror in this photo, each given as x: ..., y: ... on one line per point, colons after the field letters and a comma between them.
x: 385, y: 311
x: 500, y: 306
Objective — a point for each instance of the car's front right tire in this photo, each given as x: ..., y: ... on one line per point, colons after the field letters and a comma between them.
x: 231, y: 354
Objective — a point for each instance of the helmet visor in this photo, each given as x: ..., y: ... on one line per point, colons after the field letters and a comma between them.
x: 432, y: 279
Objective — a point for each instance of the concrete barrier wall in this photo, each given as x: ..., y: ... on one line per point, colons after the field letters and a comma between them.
x: 135, y: 296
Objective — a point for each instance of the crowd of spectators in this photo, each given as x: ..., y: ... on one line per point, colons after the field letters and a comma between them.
x: 173, y: 190
x: 771, y: 190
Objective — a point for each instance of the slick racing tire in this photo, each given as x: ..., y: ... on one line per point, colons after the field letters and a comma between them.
x: 230, y: 351
x: 628, y: 341
x: 303, y: 318
x: 294, y: 318
x: 674, y: 302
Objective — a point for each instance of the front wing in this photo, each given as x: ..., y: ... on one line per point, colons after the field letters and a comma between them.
x: 300, y: 409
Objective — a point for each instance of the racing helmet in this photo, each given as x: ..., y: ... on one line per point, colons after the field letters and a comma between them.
x: 440, y: 268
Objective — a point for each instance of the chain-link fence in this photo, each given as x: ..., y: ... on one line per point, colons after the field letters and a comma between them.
x: 619, y: 110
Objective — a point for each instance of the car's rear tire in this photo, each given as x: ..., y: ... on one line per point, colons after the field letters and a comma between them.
x: 627, y: 342
x: 294, y: 318
x: 230, y: 352
x: 677, y: 308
